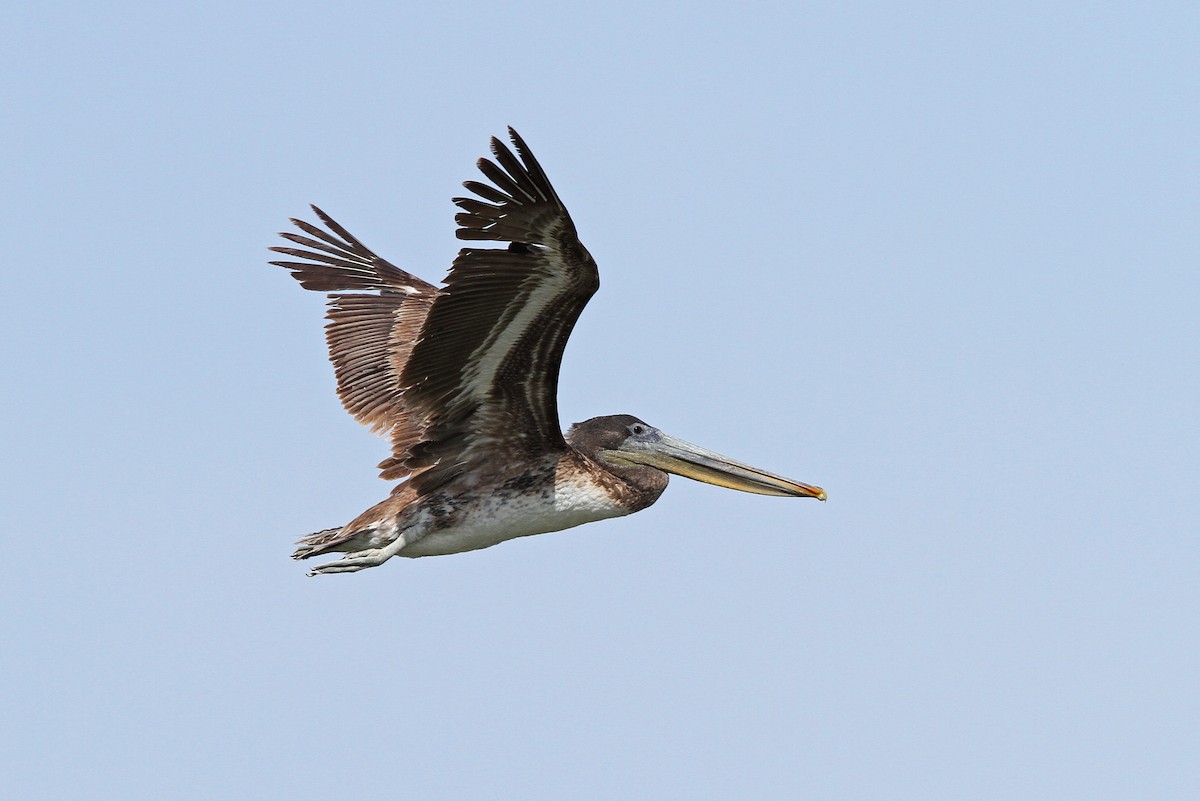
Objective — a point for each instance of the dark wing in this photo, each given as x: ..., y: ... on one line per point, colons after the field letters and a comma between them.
x: 457, y: 374
x: 484, y: 375
x: 370, y: 336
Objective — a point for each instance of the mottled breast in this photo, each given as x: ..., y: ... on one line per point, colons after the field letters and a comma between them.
x: 564, y: 498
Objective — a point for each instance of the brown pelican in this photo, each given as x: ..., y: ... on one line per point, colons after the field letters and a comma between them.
x: 463, y: 378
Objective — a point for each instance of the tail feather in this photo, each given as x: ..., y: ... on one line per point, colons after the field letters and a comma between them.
x: 319, y: 542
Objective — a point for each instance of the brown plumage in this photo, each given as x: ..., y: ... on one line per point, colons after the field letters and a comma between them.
x: 463, y: 379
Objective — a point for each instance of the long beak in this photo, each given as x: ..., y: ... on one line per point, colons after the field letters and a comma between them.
x: 691, y: 461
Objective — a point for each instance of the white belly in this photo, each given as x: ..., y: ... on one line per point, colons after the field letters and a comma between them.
x: 498, y: 518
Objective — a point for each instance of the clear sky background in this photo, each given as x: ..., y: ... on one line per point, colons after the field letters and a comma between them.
x: 938, y: 258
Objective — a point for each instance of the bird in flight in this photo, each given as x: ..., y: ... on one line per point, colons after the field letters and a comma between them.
x: 463, y: 380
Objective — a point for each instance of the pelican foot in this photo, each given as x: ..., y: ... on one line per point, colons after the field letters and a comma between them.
x: 352, y: 562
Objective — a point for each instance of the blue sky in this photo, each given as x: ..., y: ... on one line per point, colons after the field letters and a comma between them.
x: 940, y: 259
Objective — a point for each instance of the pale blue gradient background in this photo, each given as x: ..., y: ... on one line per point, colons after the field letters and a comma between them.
x: 938, y: 258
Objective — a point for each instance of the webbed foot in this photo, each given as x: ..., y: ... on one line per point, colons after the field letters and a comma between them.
x: 359, y: 560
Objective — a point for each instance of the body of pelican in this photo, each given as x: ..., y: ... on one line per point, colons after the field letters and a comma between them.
x: 463, y: 380
x: 550, y: 494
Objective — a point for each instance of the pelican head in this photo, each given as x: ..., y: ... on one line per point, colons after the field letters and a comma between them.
x: 623, y: 443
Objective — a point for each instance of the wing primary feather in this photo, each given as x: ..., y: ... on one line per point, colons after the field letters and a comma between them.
x: 312, y: 255
x: 503, y: 181
x: 486, y: 192
x: 516, y: 170
x: 473, y: 206
x: 534, y: 168
x: 315, y: 244
x: 340, y: 231
x: 324, y: 236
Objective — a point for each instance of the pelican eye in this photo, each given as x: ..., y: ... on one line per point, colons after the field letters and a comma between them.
x: 637, y: 429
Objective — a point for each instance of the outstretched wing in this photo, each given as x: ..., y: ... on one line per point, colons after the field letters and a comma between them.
x: 458, y: 373
x: 370, y: 336
x: 484, y: 375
